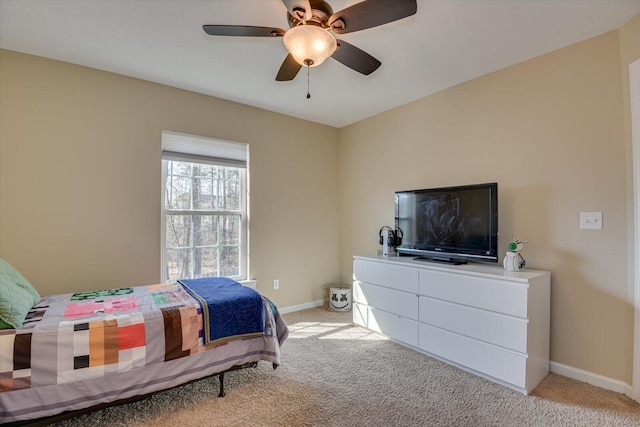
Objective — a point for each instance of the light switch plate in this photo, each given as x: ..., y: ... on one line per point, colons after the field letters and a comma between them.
x: 591, y: 220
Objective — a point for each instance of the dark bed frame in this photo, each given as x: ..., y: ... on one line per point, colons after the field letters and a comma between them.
x: 73, y: 414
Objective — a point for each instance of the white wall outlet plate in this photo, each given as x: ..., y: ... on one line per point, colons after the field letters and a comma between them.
x: 591, y: 220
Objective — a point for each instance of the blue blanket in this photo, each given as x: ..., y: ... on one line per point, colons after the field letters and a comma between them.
x: 229, y: 309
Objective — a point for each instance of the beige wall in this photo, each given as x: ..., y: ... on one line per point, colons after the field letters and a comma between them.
x: 550, y: 131
x: 80, y: 180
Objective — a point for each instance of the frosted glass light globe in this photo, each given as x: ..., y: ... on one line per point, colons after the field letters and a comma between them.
x: 309, y: 43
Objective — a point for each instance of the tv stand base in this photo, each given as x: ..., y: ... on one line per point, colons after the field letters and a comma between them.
x: 445, y: 260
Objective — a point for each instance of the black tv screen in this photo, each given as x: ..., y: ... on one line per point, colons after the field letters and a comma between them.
x: 451, y: 224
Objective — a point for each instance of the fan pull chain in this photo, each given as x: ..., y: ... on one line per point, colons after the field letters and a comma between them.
x: 308, y: 63
x: 308, y: 90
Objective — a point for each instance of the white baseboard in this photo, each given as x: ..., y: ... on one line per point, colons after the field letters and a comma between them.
x: 591, y: 378
x: 306, y: 305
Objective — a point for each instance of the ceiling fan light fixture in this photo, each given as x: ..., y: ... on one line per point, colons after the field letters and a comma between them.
x: 309, y: 45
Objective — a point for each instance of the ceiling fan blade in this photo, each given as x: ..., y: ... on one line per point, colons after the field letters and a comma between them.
x: 288, y: 70
x: 371, y: 13
x: 242, y: 30
x: 355, y: 58
x: 300, y: 9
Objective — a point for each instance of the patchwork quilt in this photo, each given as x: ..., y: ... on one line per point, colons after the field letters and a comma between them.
x: 71, y: 337
x: 91, y: 335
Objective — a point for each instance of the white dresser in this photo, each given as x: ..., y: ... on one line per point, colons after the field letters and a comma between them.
x: 479, y: 317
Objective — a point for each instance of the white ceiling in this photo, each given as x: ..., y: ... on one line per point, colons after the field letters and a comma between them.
x: 443, y: 44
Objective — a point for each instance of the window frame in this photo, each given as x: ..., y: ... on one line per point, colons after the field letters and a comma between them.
x: 243, y: 256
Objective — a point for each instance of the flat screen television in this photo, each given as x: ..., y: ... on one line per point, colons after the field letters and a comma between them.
x: 450, y: 224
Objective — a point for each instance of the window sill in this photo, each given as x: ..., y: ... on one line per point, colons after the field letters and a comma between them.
x: 250, y: 283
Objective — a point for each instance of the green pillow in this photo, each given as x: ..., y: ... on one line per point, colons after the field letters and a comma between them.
x: 17, y: 296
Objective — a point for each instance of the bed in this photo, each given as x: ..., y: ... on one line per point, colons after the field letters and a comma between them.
x: 82, y: 350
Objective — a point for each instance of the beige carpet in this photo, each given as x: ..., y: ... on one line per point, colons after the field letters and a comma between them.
x: 335, y: 374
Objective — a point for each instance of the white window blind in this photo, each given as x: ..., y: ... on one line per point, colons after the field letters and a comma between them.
x: 191, y: 148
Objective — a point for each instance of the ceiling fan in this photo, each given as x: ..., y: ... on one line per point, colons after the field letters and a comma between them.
x: 310, y: 39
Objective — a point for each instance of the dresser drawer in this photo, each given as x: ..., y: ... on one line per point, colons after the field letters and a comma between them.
x: 393, y: 326
x: 384, y: 274
x: 386, y: 299
x: 482, y: 357
x: 502, y: 296
x: 499, y: 329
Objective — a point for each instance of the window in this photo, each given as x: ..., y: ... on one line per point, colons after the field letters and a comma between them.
x: 204, y: 215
